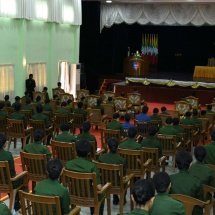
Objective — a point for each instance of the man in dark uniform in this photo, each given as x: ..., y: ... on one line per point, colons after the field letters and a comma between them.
x: 79, y: 110
x: 52, y: 186
x: 4, y: 210
x: 98, y: 106
x: 30, y: 84
x: 28, y: 105
x: 188, y: 120
x: 168, y: 129
x: 210, y: 150
x: 63, y: 108
x: 17, y: 100
x: 65, y: 136
x: 155, y: 115
x: 3, y: 113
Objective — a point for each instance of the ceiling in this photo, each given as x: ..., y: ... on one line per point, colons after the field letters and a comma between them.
x: 157, y: 1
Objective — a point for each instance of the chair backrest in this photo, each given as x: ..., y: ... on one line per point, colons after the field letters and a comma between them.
x: 16, y: 128
x: 10, y: 110
x: 173, y: 113
x: 182, y: 107
x: 81, y: 92
x: 82, y: 187
x: 5, y: 182
x: 121, y: 104
x: 205, y: 124
x: 57, y: 91
x: 151, y: 153
x: 41, y: 94
x: 28, y: 115
x: 63, y: 151
x: 60, y: 118
x: 164, y: 117
x: 194, y: 102
x: 134, y: 98
x: 94, y: 116
x: 3, y: 124
x: 108, y: 110
x: 168, y: 143
x: 213, y: 106
x: 53, y: 104
x: 65, y: 96
x: 92, y: 100
x: 108, y: 94
x: 77, y: 120
x: 211, y: 117
x: 35, y: 204
x: 189, y: 130
x: 142, y: 127
x: 211, y: 166
x: 37, y: 124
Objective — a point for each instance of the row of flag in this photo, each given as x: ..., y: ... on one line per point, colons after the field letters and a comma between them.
x: 150, y: 47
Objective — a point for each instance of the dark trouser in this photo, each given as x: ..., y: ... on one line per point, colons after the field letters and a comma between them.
x: 101, y: 209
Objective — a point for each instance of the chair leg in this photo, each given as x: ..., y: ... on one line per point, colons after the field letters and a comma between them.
x: 24, y: 142
x: 12, y: 200
x: 15, y: 141
x: 9, y: 143
x: 173, y: 163
x: 108, y: 203
x: 121, y: 202
x: 96, y: 210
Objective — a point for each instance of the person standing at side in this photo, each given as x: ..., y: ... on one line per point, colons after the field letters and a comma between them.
x: 30, y: 84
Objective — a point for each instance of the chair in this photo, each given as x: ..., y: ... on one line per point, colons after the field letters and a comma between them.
x: 135, y: 162
x: 92, y: 100
x: 169, y: 146
x: 173, y: 113
x: 156, y: 162
x: 213, y: 106
x: 142, y: 128
x: 95, y: 117
x: 40, y: 125
x: 119, y: 184
x: 53, y: 104
x: 134, y: 99
x: 63, y: 151
x: 107, y: 94
x: 16, y: 130
x: 80, y: 93
x: 182, y: 107
x: 28, y: 115
x: 77, y: 121
x: 190, y: 202
x: 10, y: 110
x: 57, y: 91
x: 3, y: 125
x: 194, y: 102
x: 206, y: 129
x: 65, y: 96
x: 108, y: 110
x: 41, y: 94
x: 6, y: 181
x: 209, y: 190
x: 211, y: 61
x: 59, y: 118
x: 164, y: 117
x: 211, y: 118
x: 35, y: 204
x: 122, y: 106
x: 35, y: 164
x: 83, y: 190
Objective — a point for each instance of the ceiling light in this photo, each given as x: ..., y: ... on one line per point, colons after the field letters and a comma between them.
x: 108, y: 1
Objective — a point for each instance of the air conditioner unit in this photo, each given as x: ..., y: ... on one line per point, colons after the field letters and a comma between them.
x: 75, y: 73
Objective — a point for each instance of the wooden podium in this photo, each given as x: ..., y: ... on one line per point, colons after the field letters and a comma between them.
x: 135, y: 66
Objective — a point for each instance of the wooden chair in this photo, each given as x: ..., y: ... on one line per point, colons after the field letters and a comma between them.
x: 6, y: 182
x: 190, y: 202
x: 122, y: 106
x: 194, y: 102
x: 142, y: 128
x: 209, y: 190
x: 157, y: 163
x: 10, y: 110
x: 206, y: 130
x: 35, y: 164
x: 82, y: 92
x: 163, y: 118
x: 169, y: 146
x: 57, y: 91
x: 83, y: 190
x: 135, y: 162
x: 28, y: 115
x: 53, y: 104
x: 49, y: 114
x: 107, y: 94
x: 40, y: 125
x: 182, y: 107
x: 92, y: 100
x: 16, y: 130
x: 211, y: 118
x: 173, y: 113
x: 3, y: 125
x: 95, y: 117
x: 41, y: 94
x: 108, y: 110
x: 119, y: 184
x: 63, y: 151
x: 77, y: 121
x: 65, y: 96
x: 59, y: 118
x: 213, y: 106
x: 134, y: 99
x: 35, y: 204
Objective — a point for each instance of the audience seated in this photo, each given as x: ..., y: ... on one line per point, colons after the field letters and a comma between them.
x: 3, y: 113
x: 110, y: 101
x: 52, y: 187
x: 210, y: 150
x: 113, y: 158
x: 80, y: 164
x: 37, y: 147
x: 209, y: 109
x: 176, y: 126
x: 188, y: 120
x: 203, y: 113
x: 143, y: 116
x: 168, y: 129
x: 155, y: 115
x: 151, y: 141
x: 195, y: 117
x: 98, y: 106
x: 28, y: 105
x: 65, y: 136
x: 127, y: 124
x: 27, y: 95
x: 17, y: 100
x: 70, y: 105
x: 163, y: 110
x: 7, y: 102
x: 56, y: 98
x: 79, y: 110
x: 185, y: 183
x: 83, y: 100
x: 4, y: 210
x: 38, y: 100
x: 163, y: 203
x: 47, y: 106
x: 45, y: 90
x: 63, y: 108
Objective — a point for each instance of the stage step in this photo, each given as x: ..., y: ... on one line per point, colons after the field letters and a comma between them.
x: 105, y: 84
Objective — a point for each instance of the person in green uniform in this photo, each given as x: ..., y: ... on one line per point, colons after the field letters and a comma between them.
x: 203, y: 113
x: 115, y: 125
x: 63, y: 108
x: 83, y: 100
x: 131, y: 143
x: 168, y: 129
x: 98, y: 106
x: 52, y: 186
x: 26, y: 96
x: 17, y: 100
x: 37, y: 147
x: 79, y: 110
x: 65, y: 136
x: 142, y: 195
x: 185, y: 183
x: 3, y: 113
x: 210, y: 150
x: 80, y: 164
x: 45, y: 90
x: 175, y: 122
x: 38, y: 100
x: 155, y: 115
x: 7, y: 101
x: 163, y: 203
x: 151, y: 141
x: 209, y: 109
x: 195, y: 117
x: 188, y: 120
x: 28, y: 105
x: 163, y: 110
x: 110, y: 101
x: 113, y: 158
x: 70, y: 105
x: 4, y: 210
x: 47, y: 107
x: 56, y: 98
x: 86, y: 133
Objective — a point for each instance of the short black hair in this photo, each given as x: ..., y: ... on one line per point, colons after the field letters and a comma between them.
x: 203, y: 112
x: 145, y: 109
x: 55, y: 96
x: 6, y: 98
x: 132, y: 132
x: 80, y: 104
x: 152, y: 130
x: 39, y: 108
x: 82, y: 98
x: 17, y: 106
x: 17, y: 98
x: 45, y: 88
x: 83, y: 148
x: 213, y: 135
x: 1, y: 105
x: 30, y: 75
x: 69, y: 101
x: 163, y: 108
x: 113, y: 144
x: 175, y: 121
x: 168, y: 120
x: 38, y: 135
x: 122, y: 94
x: 110, y: 98
x: 143, y: 190
x: 86, y: 126
x: 59, y: 84
x: 155, y: 110
x: 99, y: 101
x: 183, y: 160
x: 200, y: 153
x: 63, y: 104
x: 127, y: 117
x: 38, y: 98
x: 188, y: 114
x: 3, y: 140
x: 26, y: 93
x: 161, y: 181
x: 116, y: 115
x: 64, y: 127
x: 195, y: 113
x: 209, y: 107
x: 135, y: 89
x: 28, y: 101
x: 54, y: 168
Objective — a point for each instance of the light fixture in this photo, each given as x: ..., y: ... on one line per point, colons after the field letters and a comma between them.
x: 108, y: 1
x: 24, y: 61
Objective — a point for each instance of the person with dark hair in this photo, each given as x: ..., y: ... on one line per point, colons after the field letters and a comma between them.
x: 3, y: 113
x: 188, y: 120
x: 47, y: 107
x: 80, y: 110
x: 26, y: 95
x: 164, y: 110
x: 65, y: 136
x: 155, y: 115
x: 151, y: 141
x: 4, y: 210
x: 113, y: 158
x: 115, y: 124
x: 130, y: 143
x: 127, y: 124
x: 63, y: 108
x: 176, y: 126
x: 110, y: 101
x: 28, y: 105
x: 17, y: 100
x: 98, y: 106
x: 7, y: 102
x: 168, y: 129
x: 59, y: 86
x: 195, y: 117
x: 57, y: 99
x: 203, y: 113
x: 37, y: 146
x: 210, y: 150
x: 86, y: 133
x: 185, y: 183
x: 142, y: 195
x: 83, y: 100
x: 163, y: 203
x: 45, y: 90
x: 122, y: 94
x: 209, y: 109
x: 80, y: 164
x: 143, y: 116
x: 38, y: 100
x: 70, y: 105
x: 30, y: 84
x: 52, y: 186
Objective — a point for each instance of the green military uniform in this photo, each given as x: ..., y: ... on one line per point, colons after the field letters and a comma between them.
x: 40, y: 116
x: 7, y: 103
x: 62, y: 110
x: 100, y: 108
x: 152, y: 142
x: 210, y: 153
x: 155, y: 117
x: 111, y: 103
x: 166, y: 205
x: 47, y: 107
x: 13, y: 105
x: 168, y: 130
x: 130, y: 143
x: 49, y: 187
x: 87, y: 136
x: 38, y: 148
x: 3, y: 113
x: 80, y: 111
x: 115, y: 125
x: 65, y: 136
x: 71, y: 108
x: 28, y: 107
x: 187, y: 121
x: 19, y: 116
x: 4, y: 210
x: 209, y: 111
x: 179, y: 129
x: 187, y: 184
x: 138, y: 211
x: 196, y: 120
x: 165, y: 113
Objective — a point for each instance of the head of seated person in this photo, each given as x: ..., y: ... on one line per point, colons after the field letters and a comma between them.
x: 132, y: 132
x: 83, y: 148
x: 17, y: 99
x: 38, y: 98
x: 213, y: 135
x: 80, y: 105
x: 59, y: 84
x: 200, y: 153
x: 162, y: 182
x: 39, y: 135
x: 127, y: 117
x: 1, y: 105
x: 69, y: 101
x: 195, y: 113
x: 45, y: 89
x: 163, y: 109
x: 17, y: 106
x: 99, y: 101
x: 2, y: 140
x: 54, y: 168
x: 65, y: 127
x: 145, y: 109
x: 188, y: 114
x: 209, y: 107
x: 6, y: 98
x: 183, y: 160
x: 86, y: 126
x: 175, y: 121
x: 63, y: 104
x: 113, y: 144
x: 55, y: 96
x: 116, y: 116
x: 168, y: 121
x: 203, y: 112
x: 152, y: 130
x: 28, y: 101
x: 39, y: 108
x: 110, y: 99
x: 155, y: 111
x: 82, y: 98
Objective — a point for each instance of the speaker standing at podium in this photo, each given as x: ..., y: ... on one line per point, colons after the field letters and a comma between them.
x: 30, y: 85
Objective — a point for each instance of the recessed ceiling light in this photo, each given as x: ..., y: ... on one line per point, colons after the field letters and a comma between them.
x: 108, y: 1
